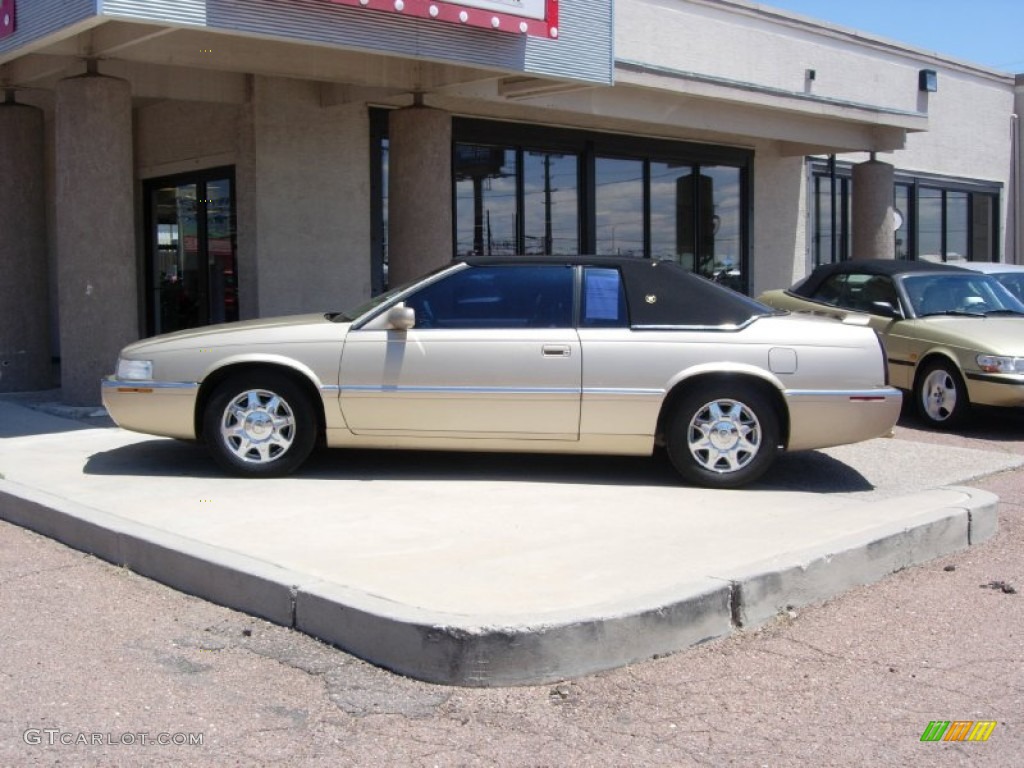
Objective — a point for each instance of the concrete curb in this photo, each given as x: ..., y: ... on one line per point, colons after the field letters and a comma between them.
x: 766, y: 589
x: 458, y: 650
x: 213, y: 573
x: 478, y: 651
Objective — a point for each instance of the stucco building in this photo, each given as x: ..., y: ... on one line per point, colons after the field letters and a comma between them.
x: 169, y: 163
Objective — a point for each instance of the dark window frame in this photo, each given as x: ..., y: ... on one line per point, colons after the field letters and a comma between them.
x: 587, y: 146
x: 150, y: 186
x: 819, y: 169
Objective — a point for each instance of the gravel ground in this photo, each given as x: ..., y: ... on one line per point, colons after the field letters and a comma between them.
x: 99, y: 666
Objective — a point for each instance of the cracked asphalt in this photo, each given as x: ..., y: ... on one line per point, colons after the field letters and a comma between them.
x: 98, y: 666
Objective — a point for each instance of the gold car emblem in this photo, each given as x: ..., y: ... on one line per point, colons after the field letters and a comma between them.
x: 650, y: 298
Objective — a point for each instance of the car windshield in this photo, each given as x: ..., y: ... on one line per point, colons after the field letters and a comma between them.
x: 351, y: 314
x: 959, y: 294
x: 1012, y: 281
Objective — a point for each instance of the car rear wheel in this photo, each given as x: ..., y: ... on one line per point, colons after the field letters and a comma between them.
x: 941, y: 395
x: 723, y: 436
x: 259, y: 425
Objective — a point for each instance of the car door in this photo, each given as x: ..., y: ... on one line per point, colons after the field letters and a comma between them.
x: 493, y: 353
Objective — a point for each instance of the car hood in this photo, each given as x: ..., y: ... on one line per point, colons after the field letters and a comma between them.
x: 994, y: 334
x: 269, y: 330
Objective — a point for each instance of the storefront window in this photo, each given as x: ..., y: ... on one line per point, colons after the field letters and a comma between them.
x: 937, y: 221
x: 831, y: 237
x: 535, y: 190
x: 380, y: 231
x: 485, y: 200
x: 956, y: 226
x: 619, y: 207
x: 721, y: 256
x: 983, y: 227
x: 901, y: 215
x: 550, y: 203
x: 672, y: 220
x: 929, y: 224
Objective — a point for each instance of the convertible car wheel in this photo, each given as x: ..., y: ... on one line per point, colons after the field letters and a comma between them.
x: 259, y: 425
x: 941, y: 395
x: 723, y: 437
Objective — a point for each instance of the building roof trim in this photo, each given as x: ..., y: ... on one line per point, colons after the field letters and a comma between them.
x: 908, y: 119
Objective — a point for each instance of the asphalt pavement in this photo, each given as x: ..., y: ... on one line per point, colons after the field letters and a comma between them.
x: 616, y: 542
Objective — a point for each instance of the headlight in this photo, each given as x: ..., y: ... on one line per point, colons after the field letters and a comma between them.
x: 999, y: 364
x: 135, y: 370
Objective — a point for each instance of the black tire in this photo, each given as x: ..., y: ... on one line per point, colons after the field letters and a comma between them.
x: 723, y: 435
x: 259, y: 424
x: 940, y: 395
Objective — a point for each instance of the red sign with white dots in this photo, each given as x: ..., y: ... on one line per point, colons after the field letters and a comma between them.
x: 6, y: 18
x: 538, y: 18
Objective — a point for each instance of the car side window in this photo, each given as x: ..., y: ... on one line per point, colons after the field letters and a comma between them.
x: 520, y: 296
x: 858, y: 292
x: 604, y: 299
x: 878, y: 289
x: 832, y: 290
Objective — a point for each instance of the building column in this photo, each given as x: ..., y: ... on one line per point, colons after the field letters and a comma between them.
x: 24, y: 294
x: 95, y: 224
x: 419, y: 192
x: 873, y: 221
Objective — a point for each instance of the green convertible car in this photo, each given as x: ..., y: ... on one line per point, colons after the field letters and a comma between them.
x: 953, y: 337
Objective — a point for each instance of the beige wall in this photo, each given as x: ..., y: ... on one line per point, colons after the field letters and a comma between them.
x: 968, y: 130
x: 304, y: 201
x: 747, y: 42
x: 180, y: 136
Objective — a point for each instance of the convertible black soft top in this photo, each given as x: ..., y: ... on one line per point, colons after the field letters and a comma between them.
x: 660, y: 293
x: 888, y: 267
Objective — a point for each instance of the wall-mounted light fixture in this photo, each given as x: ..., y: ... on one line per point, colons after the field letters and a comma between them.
x: 928, y: 80
x: 810, y: 75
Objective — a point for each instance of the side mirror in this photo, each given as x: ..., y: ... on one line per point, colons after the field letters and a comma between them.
x: 886, y: 309
x: 401, y: 317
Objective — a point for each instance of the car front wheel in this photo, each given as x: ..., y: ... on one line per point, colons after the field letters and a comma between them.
x: 723, y: 437
x: 941, y: 395
x: 259, y: 425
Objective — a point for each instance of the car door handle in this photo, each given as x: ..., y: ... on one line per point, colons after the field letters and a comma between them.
x: 556, y: 350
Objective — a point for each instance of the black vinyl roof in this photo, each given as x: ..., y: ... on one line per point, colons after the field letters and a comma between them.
x: 659, y: 293
x: 887, y: 267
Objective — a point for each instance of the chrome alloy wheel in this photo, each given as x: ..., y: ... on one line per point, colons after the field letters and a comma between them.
x: 724, y: 436
x: 258, y: 426
x: 939, y: 394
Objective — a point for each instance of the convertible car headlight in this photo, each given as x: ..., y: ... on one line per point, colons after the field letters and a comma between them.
x: 1000, y: 364
x: 135, y: 370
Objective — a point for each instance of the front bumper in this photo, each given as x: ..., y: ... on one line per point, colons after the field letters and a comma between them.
x: 153, y: 407
x: 1002, y: 389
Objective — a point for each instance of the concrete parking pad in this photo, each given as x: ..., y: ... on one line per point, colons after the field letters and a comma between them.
x: 492, y: 569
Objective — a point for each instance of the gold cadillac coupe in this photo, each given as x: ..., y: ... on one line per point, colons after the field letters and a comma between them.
x: 595, y: 355
x: 953, y: 336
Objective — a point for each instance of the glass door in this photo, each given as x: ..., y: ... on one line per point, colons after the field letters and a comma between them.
x: 192, y: 270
